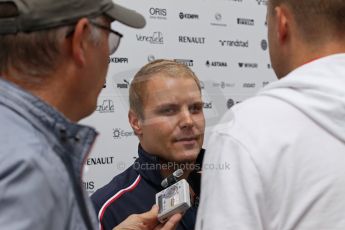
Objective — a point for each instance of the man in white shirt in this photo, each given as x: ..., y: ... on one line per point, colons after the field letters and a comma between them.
x: 285, y: 146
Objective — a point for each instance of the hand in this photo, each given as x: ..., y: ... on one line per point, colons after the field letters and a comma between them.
x: 148, y: 221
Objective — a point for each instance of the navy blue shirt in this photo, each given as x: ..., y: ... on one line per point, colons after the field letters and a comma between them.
x: 134, y: 190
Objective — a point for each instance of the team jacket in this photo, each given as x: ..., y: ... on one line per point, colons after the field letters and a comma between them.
x: 134, y: 190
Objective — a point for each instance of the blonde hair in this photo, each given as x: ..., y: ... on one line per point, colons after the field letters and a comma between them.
x: 170, y: 68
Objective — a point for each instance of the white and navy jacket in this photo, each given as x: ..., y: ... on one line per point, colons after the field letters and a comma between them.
x: 134, y: 190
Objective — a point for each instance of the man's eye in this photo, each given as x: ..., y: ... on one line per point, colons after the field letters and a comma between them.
x: 168, y: 111
x: 195, y: 108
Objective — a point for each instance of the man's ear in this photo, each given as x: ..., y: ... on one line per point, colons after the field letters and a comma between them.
x: 282, y: 18
x: 80, y: 41
x: 135, y: 122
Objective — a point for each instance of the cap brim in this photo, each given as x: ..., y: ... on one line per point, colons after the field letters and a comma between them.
x: 126, y: 16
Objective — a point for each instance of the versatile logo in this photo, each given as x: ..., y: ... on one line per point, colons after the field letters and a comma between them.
x: 158, y: 13
x: 107, y: 106
x: 187, y: 39
x: 156, y: 38
x: 264, y: 44
x: 249, y: 85
x: 100, y: 161
x: 248, y: 65
x: 188, y: 16
x: 262, y: 2
x: 216, y: 64
x: 117, y: 60
x: 245, y: 21
x: 119, y: 133
x: 187, y: 62
x: 234, y: 43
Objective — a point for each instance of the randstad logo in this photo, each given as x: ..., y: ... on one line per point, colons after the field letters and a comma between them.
x: 156, y: 38
x: 188, y: 16
x: 234, y: 43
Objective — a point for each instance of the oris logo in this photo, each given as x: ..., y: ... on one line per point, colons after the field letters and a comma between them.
x: 156, y: 38
x: 196, y: 40
x: 234, y: 43
x: 216, y: 64
x: 159, y: 13
x: 89, y: 186
x: 262, y: 2
x: 124, y: 85
x: 207, y: 105
x: 264, y: 44
x: 188, y: 16
x: 106, y: 107
x: 117, y: 60
x: 248, y: 65
x: 187, y: 62
x: 119, y: 133
x: 245, y: 21
x: 249, y: 85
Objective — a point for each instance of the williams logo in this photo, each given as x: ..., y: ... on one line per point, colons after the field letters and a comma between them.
x: 187, y: 39
x: 245, y: 21
x: 124, y: 85
x: 188, y: 16
x: 158, y: 13
x: 186, y: 62
x: 234, y: 43
x: 223, y: 84
x: 106, y: 107
x: 216, y: 64
x: 117, y: 60
x: 119, y: 133
x: 248, y: 65
x: 262, y: 2
x: 155, y: 38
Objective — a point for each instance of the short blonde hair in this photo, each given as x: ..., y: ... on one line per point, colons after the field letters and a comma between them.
x: 170, y: 68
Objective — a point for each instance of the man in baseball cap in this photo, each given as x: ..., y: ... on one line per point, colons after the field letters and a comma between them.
x: 53, y: 63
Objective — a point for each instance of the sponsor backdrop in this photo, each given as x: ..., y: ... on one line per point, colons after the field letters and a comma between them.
x: 223, y: 41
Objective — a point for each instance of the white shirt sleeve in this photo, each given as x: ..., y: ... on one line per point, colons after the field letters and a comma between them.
x: 231, y: 189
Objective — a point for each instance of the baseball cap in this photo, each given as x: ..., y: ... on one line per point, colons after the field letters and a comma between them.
x: 36, y: 15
